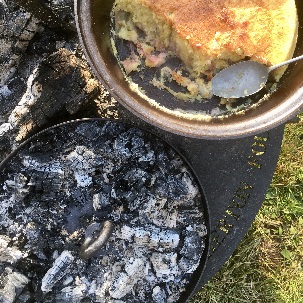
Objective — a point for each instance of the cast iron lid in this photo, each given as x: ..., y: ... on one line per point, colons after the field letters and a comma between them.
x: 94, y: 21
x: 101, y: 208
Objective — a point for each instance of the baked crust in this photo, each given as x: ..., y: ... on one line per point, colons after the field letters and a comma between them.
x: 263, y: 30
x: 209, y: 35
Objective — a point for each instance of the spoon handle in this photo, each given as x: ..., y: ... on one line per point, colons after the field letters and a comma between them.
x: 284, y: 63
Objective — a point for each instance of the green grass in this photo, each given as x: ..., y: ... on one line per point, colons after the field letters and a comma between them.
x: 267, y: 267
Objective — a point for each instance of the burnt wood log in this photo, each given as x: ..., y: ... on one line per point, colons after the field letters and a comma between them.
x: 62, y: 83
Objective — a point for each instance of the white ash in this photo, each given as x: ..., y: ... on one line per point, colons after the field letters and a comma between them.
x: 12, y: 283
x: 150, y: 236
x: 122, y: 285
x: 165, y: 266
x: 33, y: 92
x: 5, y: 91
x: 101, y: 200
x: 57, y: 271
x: 8, y: 254
x: 159, y: 295
x: 5, y: 128
x: 131, y: 179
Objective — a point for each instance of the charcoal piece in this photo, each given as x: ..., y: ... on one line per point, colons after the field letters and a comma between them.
x: 155, y: 238
x: 56, y: 187
x: 17, y: 28
x: 63, y: 9
x: 192, y: 244
x: 49, y: 182
x: 176, y: 187
x: 159, y: 295
x: 137, y: 178
x: 2, y: 11
x: 168, y: 215
x: 76, y: 294
x: 194, y: 215
x: 57, y: 271
x: 17, y: 187
x: 125, y: 281
x: 11, y: 285
x: 101, y: 200
x: 165, y: 266
x: 111, y: 130
x: 46, y: 15
x: 7, y: 253
x: 188, y: 265
x: 89, y: 130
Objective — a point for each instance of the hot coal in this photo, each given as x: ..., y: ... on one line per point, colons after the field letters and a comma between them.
x: 60, y: 188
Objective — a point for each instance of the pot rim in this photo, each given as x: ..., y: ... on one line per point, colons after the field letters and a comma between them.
x: 236, y: 126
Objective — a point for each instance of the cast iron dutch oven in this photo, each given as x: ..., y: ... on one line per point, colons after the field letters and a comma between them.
x: 261, y: 113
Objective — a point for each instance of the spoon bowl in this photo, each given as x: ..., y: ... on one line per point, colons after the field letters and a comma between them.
x: 244, y: 78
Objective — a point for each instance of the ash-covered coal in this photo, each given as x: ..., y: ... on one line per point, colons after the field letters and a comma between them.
x: 57, y: 192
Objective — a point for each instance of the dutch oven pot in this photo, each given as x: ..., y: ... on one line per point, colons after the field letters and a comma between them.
x: 93, y: 22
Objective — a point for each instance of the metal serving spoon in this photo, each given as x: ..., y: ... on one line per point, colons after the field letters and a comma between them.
x: 244, y: 78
